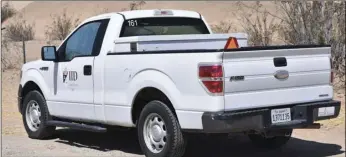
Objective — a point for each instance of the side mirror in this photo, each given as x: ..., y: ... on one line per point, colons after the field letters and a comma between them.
x: 48, y: 53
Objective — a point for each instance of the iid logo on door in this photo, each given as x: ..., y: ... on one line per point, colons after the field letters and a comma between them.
x: 64, y: 75
x: 72, y: 75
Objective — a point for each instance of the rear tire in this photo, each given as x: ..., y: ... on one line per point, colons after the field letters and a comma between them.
x: 159, y: 131
x: 271, y: 142
x: 35, y: 114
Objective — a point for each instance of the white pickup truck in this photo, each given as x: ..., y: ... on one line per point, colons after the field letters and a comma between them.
x: 166, y: 74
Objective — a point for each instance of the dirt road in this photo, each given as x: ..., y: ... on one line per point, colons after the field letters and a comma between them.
x: 328, y: 141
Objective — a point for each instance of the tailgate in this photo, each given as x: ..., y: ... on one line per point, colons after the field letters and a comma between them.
x: 264, y: 77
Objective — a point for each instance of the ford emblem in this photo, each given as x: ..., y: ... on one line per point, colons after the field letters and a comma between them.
x: 281, y: 74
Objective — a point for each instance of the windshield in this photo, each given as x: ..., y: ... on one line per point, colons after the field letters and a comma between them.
x: 163, y: 26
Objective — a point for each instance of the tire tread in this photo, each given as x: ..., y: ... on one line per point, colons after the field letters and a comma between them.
x: 44, y: 131
x: 178, y: 144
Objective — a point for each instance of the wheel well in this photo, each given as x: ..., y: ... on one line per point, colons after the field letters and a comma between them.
x: 29, y: 86
x: 146, y: 95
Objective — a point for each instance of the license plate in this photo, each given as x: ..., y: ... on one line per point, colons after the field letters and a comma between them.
x: 281, y: 115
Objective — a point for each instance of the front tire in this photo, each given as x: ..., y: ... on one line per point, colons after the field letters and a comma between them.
x: 35, y: 114
x: 159, y: 131
x: 274, y: 142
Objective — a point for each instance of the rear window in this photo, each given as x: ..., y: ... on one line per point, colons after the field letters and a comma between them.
x: 163, y: 26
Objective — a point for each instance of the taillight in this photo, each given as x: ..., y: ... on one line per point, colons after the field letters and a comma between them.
x: 212, y: 78
x: 210, y: 71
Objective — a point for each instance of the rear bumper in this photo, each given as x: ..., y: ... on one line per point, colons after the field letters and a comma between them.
x: 302, y: 116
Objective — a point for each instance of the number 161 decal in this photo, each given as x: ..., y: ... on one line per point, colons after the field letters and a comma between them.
x: 132, y: 23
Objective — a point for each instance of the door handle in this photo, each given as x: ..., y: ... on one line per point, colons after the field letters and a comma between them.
x: 87, y: 70
x: 280, y: 62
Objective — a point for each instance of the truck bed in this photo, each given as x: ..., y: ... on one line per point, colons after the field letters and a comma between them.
x: 308, y: 67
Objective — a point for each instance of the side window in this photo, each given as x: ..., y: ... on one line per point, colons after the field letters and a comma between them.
x: 81, y: 43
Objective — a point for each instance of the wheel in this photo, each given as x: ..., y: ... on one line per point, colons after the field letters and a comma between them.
x: 159, y: 131
x: 35, y: 114
x: 274, y: 142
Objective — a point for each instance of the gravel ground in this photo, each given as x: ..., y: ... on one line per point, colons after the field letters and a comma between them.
x: 312, y: 143
x: 328, y: 141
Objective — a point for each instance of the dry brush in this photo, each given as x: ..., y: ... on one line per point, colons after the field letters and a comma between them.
x: 61, y: 26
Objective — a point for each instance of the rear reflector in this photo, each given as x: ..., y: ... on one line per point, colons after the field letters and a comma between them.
x: 211, y: 77
x: 232, y: 43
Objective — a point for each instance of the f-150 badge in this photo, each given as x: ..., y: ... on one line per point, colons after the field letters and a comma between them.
x: 237, y: 78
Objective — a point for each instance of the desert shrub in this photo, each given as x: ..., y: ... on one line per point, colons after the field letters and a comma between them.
x: 135, y: 5
x: 222, y: 27
x: 7, y: 11
x: 11, y: 56
x: 19, y: 30
x: 316, y: 22
x: 257, y: 23
x: 61, y: 26
x: 101, y: 11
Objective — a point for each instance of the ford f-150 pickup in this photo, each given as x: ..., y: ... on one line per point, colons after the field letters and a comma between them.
x: 164, y: 73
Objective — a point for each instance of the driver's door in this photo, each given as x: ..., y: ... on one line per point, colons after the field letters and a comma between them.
x: 73, y: 95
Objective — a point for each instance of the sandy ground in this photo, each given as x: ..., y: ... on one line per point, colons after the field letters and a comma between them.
x: 328, y: 141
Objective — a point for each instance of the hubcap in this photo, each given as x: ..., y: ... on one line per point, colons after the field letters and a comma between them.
x: 33, y: 114
x: 154, y: 133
